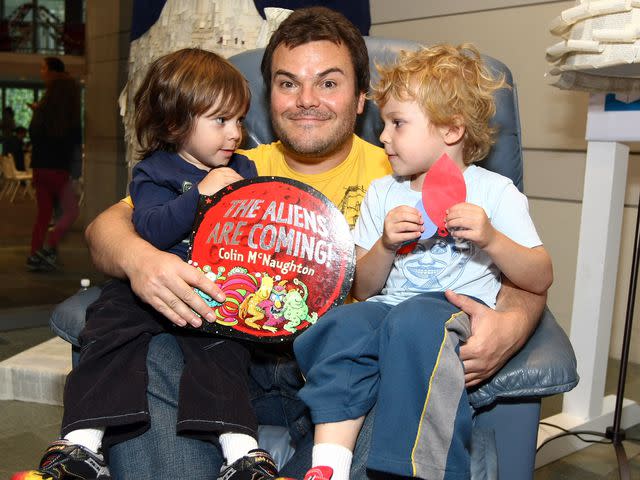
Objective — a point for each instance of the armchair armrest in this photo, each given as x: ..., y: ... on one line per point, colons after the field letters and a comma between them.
x: 546, y: 365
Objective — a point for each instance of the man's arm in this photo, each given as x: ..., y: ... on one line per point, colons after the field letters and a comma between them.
x: 159, y: 278
x: 496, y: 335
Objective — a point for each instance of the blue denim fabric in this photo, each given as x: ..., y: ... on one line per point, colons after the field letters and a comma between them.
x: 361, y: 452
x: 274, y: 381
x: 159, y: 453
x: 274, y: 386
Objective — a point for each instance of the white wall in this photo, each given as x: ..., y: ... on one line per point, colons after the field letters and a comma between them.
x: 553, y: 125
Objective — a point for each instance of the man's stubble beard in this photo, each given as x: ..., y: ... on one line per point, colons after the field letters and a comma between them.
x: 321, y: 145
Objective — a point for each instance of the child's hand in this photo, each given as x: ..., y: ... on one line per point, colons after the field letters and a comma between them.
x: 470, y: 222
x: 402, y: 224
x: 217, y: 179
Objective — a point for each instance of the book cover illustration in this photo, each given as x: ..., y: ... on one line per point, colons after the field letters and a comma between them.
x: 280, y: 251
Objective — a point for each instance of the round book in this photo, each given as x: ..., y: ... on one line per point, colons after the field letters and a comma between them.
x: 280, y: 251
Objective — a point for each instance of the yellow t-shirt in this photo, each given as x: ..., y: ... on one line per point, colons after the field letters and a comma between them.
x: 345, y: 185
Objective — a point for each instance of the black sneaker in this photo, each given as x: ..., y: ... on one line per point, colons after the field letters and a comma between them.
x: 64, y: 460
x: 48, y: 256
x: 255, y: 465
x: 36, y: 264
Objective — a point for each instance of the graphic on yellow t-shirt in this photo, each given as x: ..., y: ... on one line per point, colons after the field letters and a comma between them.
x: 349, y: 206
x: 345, y: 185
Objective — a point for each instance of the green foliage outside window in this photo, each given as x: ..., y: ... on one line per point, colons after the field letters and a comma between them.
x: 19, y: 99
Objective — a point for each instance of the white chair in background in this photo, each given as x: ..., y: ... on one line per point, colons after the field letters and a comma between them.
x: 13, y: 179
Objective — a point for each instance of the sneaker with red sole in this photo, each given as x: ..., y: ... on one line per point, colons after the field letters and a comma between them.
x: 319, y: 473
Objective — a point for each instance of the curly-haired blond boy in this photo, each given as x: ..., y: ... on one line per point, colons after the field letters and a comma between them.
x: 398, y: 349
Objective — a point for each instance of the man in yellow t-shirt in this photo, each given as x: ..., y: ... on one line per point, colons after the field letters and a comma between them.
x: 316, y: 90
x: 316, y: 71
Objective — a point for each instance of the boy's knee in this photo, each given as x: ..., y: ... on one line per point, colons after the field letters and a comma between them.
x: 421, y: 316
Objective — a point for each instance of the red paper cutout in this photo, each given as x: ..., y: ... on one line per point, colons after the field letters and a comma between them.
x: 443, y: 187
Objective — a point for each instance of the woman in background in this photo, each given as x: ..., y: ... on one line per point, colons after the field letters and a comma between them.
x: 55, y: 135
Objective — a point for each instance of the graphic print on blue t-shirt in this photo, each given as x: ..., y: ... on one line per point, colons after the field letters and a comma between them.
x: 435, y: 263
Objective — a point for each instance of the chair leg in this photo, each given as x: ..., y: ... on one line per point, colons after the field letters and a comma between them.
x: 14, y: 191
x: 25, y: 188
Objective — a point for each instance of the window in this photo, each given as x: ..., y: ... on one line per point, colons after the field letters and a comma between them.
x: 19, y: 99
x: 19, y: 96
x: 42, y: 26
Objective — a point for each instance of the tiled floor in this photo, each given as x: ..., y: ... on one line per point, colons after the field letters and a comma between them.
x: 27, y: 428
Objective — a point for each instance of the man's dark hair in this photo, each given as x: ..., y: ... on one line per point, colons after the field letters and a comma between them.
x: 54, y: 64
x: 315, y: 24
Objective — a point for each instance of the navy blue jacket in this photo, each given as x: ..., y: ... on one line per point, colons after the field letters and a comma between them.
x: 164, y: 201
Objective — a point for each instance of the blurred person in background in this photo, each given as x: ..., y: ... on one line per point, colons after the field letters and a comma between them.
x: 55, y: 133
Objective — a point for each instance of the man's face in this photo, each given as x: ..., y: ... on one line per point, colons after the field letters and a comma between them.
x: 313, y: 99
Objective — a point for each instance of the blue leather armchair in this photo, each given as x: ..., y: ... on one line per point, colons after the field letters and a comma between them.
x: 508, y: 406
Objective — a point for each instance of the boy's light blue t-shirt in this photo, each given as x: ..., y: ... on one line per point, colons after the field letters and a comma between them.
x: 438, y: 264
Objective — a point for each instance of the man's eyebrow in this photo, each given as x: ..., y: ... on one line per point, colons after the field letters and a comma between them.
x: 324, y: 73
x: 330, y: 70
x: 284, y: 73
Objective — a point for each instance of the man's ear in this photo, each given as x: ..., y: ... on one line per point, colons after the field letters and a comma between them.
x: 360, y: 105
x: 453, y: 133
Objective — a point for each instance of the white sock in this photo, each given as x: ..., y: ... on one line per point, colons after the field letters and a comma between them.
x: 236, y: 445
x: 334, y: 456
x: 90, y: 438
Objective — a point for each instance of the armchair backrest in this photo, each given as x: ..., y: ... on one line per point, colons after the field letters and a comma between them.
x: 505, y: 157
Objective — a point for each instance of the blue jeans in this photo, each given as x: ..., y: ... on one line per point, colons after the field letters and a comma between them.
x: 161, y: 454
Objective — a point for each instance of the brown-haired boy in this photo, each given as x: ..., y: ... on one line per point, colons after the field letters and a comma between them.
x: 189, y: 112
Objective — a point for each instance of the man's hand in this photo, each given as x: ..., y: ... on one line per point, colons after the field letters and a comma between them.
x: 159, y: 278
x: 166, y: 283
x: 495, y: 337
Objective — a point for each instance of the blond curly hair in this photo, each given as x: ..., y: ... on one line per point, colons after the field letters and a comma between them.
x: 452, y: 85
